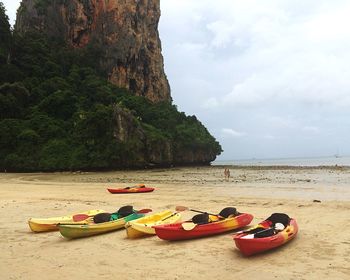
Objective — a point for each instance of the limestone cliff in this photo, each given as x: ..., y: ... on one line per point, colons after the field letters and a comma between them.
x: 78, y: 120
x: 125, y: 30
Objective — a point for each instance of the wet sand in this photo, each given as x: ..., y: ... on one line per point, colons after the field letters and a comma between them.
x: 320, y: 251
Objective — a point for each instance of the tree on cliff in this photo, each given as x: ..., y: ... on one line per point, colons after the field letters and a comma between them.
x: 5, y: 35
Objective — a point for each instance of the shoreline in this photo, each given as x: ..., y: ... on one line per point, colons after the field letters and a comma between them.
x: 151, y: 169
x: 279, y: 167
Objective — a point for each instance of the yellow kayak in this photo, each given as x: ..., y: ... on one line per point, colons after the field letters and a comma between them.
x: 84, y: 230
x: 144, y: 226
x: 49, y: 224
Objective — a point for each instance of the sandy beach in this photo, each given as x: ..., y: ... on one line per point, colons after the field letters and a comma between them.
x: 318, y: 198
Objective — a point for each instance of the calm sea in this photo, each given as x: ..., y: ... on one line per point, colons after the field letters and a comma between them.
x: 315, y: 161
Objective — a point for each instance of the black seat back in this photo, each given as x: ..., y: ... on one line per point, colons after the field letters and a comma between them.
x: 125, y: 211
x: 201, y: 219
x: 102, y: 218
x: 228, y: 211
x: 279, y: 218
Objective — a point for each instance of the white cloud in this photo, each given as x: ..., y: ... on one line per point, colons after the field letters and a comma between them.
x: 311, y: 129
x: 232, y: 133
x: 222, y: 32
x: 331, y: 25
x: 210, y: 103
x: 248, y: 92
x: 269, y: 137
x: 286, y: 121
x: 286, y: 63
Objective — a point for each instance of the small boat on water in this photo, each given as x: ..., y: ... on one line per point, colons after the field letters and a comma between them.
x: 144, y: 226
x: 204, y: 225
x: 275, y: 231
x: 50, y: 224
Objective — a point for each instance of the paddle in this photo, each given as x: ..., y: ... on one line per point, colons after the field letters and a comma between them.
x: 251, y: 230
x: 250, y: 234
x: 175, y: 213
x: 72, y: 224
x: 277, y: 227
x: 184, y: 208
x: 190, y: 225
x: 143, y: 211
x: 254, y: 234
x: 82, y: 217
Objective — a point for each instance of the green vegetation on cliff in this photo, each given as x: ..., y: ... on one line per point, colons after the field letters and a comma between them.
x: 57, y: 112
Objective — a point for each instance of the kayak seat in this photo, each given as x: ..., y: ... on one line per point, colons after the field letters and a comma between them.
x: 125, y: 211
x: 279, y: 218
x: 201, y: 219
x: 102, y: 218
x: 228, y: 211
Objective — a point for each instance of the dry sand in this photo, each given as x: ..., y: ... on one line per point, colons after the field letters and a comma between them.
x: 320, y: 251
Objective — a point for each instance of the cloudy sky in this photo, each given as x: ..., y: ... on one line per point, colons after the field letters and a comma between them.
x: 269, y: 79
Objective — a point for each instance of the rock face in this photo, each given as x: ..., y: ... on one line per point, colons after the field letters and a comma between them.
x: 146, y: 152
x: 125, y: 30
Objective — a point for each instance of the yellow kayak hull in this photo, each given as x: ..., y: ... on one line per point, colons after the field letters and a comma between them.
x: 144, y: 226
x: 85, y: 230
x: 50, y: 224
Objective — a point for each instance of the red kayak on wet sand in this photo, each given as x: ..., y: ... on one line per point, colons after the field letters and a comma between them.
x: 140, y: 188
x: 271, y: 233
x: 194, y: 229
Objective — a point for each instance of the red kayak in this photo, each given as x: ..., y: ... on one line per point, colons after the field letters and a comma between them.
x: 179, y: 231
x: 136, y: 189
x: 271, y: 233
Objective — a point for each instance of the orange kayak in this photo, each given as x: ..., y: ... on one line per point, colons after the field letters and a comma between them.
x: 137, y: 189
x: 177, y: 231
x: 266, y: 235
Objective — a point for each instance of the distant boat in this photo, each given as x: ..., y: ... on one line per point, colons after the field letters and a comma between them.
x: 337, y: 155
